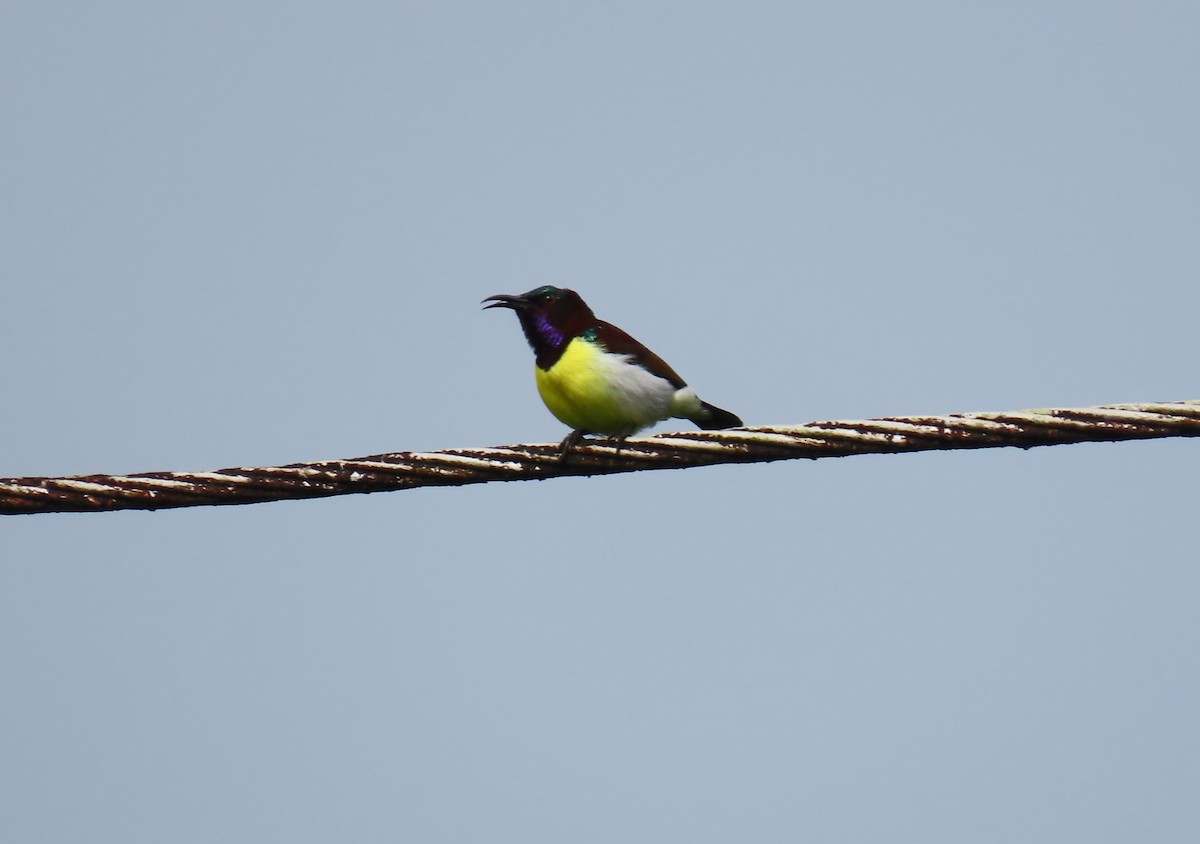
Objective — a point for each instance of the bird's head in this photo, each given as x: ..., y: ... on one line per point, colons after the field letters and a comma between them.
x: 550, y: 316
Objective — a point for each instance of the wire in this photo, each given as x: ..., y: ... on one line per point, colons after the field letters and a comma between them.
x: 459, y: 467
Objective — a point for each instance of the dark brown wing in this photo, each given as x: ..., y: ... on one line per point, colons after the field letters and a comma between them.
x: 618, y: 342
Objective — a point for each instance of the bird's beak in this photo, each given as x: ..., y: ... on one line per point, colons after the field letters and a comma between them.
x: 503, y: 301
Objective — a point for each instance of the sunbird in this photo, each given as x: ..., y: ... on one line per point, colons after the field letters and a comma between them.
x: 594, y: 377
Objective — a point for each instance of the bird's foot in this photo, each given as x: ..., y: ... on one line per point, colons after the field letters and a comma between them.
x: 619, y: 439
x: 576, y: 437
x: 569, y: 442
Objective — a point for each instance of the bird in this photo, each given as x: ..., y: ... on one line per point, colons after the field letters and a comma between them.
x: 594, y: 377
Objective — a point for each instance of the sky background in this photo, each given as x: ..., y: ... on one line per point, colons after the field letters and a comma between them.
x: 251, y: 234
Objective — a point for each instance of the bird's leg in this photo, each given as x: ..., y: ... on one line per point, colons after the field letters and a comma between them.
x: 569, y: 442
x: 620, y: 438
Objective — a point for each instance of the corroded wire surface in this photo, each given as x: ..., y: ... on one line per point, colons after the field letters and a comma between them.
x: 457, y: 467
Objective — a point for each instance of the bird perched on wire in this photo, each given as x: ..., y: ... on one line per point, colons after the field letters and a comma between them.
x: 596, y: 378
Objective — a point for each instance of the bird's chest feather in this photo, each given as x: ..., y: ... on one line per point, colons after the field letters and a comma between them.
x: 591, y: 389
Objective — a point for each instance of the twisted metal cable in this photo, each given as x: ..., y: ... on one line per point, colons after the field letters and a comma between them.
x: 458, y: 467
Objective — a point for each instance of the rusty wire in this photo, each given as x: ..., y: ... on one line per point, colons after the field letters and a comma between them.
x: 458, y: 467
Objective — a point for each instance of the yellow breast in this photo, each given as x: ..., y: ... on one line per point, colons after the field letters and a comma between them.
x: 593, y: 390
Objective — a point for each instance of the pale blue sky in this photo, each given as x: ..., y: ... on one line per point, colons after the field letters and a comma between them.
x: 242, y: 234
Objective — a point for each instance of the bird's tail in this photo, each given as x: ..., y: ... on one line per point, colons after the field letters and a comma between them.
x: 710, y: 418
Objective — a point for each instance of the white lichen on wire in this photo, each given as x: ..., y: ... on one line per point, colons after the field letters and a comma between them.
x: 457, y: 467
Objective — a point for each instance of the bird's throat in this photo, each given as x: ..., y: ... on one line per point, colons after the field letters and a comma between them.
x: 547, y: 341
